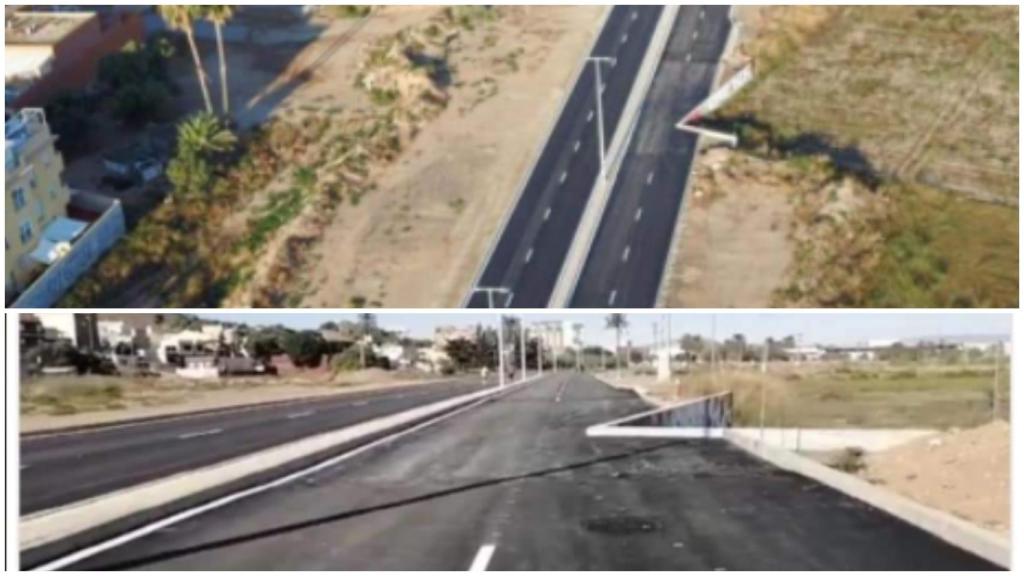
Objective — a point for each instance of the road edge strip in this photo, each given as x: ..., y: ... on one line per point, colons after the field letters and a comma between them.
x: 945, y: 526
x: 65, y: 530
x: 184, y: 415
x: 586, y: 231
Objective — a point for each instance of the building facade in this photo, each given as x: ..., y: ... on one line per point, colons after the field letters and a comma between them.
x: 35, y: 194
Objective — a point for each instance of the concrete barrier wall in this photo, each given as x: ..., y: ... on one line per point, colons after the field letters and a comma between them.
x: 60, y: 276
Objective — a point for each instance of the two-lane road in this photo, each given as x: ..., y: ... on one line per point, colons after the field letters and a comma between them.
x: 531, y: 249
x: 515, y: 484
x: 61, y: 468
x: 633, y: 242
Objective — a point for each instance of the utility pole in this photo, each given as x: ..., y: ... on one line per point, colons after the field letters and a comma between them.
x: 578, y: 342
x: 995, y: 385
x: 764, y: 358
x: 522, y: 349
x: 501, y: 351
x: 540, y: 354
x: 599, y: 89
x: 714, y: 353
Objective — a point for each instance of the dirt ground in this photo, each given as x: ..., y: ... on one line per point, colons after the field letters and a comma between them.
x: 734, y: 249
x: 925, y: 94
x: 93, y: 399
x: 417, y: 240
x: 964, y: 472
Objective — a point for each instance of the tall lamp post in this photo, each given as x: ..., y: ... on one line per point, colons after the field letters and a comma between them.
x: 599, y: 89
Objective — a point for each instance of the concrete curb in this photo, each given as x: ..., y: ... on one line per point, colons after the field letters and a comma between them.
x: 51, y: 526
x: 525, y: 178
x: 986, y: 544
x: 586, y: 231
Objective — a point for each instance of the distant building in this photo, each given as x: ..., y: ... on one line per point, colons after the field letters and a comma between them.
x: 49, y: 52
x: 81, y: 330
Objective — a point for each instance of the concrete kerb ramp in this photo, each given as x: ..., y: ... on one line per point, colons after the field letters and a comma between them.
x: 710, y: 417
x: 100, y: 521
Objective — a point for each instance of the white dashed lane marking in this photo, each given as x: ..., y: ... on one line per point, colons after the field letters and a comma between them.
x: 483, y: 558
x: 209, y: 432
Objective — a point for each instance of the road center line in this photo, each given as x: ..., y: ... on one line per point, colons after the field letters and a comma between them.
x: 483, y: 558
x: 590, y: 116
x: 295, y: 415
x: 209, y: 432
x: 650, y: 178
x: 639, y: 214
x: 561, y: 179
x: 576, y: 147
x: 625, y: 254
x: 611, y: 297
x: 529, y: 255
x: 547, y: 213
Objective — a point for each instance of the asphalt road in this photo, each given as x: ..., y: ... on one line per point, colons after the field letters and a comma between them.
x: 519, y: 478
x: 62, y: 468
x: 529, y: 254
x: 633, y: 242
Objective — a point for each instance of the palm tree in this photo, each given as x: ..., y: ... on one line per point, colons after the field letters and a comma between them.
x: 180, y: 18
x: 617, y: 322
x: 204, y: 134
x: 219, y: 15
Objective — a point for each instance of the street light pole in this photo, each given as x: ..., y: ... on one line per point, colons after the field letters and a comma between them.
x: 491, y: 291
x: 599, y: 90
x: 522, y: 349
x: 501, y: 351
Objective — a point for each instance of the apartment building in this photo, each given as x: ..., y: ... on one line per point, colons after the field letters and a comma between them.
x: 35, y: 196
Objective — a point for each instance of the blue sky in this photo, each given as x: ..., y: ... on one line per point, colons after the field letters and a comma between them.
x: 815, y: 327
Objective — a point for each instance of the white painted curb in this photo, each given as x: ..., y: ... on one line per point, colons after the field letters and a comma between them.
x: 586, y: 231
x: 991, y: 546
x: 52, y: 525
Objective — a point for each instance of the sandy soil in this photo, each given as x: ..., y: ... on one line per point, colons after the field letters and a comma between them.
x: 418, y: 240
x: 733, y: 246
x: 966, y: 473
x: 171, y: 395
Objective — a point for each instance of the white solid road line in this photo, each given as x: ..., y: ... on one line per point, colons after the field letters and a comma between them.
x: 142, y: 531
x: 483, y: 558
x: 295, y: 415
x: 209, y: 432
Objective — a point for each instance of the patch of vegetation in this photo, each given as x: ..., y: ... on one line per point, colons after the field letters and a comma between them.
x: 349, y: 10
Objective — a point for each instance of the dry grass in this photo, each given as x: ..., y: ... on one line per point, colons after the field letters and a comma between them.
x: 929, y: 94
x: 863, y: 395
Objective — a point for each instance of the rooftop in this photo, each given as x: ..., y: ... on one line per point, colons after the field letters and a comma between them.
x: 45, y: 28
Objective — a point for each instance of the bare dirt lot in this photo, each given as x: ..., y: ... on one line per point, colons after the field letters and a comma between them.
x: 965, y: 472
x: 418, y: 238
x: 52, y: 402
x: 734, y: 247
